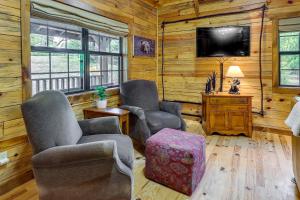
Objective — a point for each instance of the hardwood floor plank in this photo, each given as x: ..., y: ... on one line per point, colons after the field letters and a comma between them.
x: 237, y: 168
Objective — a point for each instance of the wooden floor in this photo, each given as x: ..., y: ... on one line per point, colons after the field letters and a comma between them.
x: 237, y: 168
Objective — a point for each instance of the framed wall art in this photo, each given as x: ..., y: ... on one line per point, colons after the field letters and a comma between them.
x: 143, y: 46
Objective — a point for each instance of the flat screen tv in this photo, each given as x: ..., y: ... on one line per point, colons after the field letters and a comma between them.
x: 228, y: 41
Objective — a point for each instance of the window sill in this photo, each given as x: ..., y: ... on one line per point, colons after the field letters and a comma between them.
x: 287, y: 90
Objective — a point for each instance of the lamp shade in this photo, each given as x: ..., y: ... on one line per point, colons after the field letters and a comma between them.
x: 234, y: 72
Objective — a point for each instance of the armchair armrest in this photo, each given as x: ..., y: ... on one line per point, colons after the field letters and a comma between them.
x: 139, y: 128
x: 103, y: 125
x: 72, y: 154
x: 139, y: 112
x: 170, y: 107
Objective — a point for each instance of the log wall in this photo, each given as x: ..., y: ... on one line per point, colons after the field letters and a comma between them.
x: 142, y: 19
x: 185, y: 75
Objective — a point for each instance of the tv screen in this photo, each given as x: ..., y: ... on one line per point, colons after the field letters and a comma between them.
x: 223, y: 41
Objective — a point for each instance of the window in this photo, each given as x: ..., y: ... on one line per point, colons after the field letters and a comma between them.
x: 289, y: 62
x: 105, y: 59
x: 74, y: 59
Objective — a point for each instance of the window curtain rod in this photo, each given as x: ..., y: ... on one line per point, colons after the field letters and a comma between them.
x: 263, y: 8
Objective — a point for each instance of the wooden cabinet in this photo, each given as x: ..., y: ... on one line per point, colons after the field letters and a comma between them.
x: 227, y: 114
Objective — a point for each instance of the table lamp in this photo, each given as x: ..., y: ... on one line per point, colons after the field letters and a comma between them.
x: 234, y: 72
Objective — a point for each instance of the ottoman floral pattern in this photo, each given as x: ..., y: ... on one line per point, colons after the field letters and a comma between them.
x: 176, y: 159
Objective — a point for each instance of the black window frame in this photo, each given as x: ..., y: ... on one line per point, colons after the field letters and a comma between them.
x: 85, y: 79
x: 287, y: 53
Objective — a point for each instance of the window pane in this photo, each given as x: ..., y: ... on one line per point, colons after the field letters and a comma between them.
x: 95, y: 79
x: 93, y: 42
x: 115, y: 46
x: 106, y: 63
x: 104, y: 44
x: 289, y: 77
x: 289, y: 62
x: 115, y: 78
x: 95, y: 63
x: 76, y: 62
x: 59, y: 62
x: 115, y: 63
x: 57, y: 37
x: 59, y: 71
x: 107, y: 78
x: 40, y: 72
x: 40, y: 82
x: 76, y: 68
x: 74, y: 40
x: 289, y: 42
x: 38, y: 36
x: 95, y: 74
x: 39, y: 62
x: 74, y: 81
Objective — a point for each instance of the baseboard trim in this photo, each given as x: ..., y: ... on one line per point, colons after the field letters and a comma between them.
x: 15, y: 182
x: 272, y: 130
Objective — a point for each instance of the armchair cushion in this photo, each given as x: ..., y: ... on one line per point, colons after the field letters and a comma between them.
x: 158, y: 120
x: 124, y: 145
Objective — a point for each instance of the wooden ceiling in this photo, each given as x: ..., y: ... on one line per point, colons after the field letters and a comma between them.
x: 197, y: 3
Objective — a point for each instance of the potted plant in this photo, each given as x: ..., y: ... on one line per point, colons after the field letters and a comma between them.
x: 101, y: 93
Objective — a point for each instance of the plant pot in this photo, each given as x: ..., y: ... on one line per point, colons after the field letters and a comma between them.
x: 101, y: 103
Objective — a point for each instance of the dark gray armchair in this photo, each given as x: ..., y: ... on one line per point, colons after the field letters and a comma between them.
x: 89, y: 159
x: 148, y: 114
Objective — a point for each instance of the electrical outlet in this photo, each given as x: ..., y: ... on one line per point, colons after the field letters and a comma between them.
x: 3, y: 158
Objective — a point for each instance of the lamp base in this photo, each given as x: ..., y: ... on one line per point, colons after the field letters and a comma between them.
x: 234, y: 88
x: 232, y: 92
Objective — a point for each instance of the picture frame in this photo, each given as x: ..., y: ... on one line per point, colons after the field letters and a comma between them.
x: 143, y: 47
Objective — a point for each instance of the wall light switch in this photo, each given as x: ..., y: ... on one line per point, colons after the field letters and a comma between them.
x: 3, y: 158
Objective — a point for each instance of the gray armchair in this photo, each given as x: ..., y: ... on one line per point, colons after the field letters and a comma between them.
x: 148, y: 114
x: 89, y: 159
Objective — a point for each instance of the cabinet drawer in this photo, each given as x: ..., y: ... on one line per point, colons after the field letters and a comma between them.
x: 238, y: 100
x: 229, y: 108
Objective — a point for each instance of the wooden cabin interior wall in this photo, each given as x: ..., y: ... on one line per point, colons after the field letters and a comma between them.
x: 186, y: 75
x: 142, y: 19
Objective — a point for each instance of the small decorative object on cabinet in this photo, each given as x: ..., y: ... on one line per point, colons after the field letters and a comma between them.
x: 234, y: 72
x: 210, y: 85
x: 101, y: 93
x: 213, y: 80
x: 106, y: 112
x: 227, y: 114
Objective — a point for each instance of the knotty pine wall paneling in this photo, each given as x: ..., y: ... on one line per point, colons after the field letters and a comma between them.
x: 185, y: 75
x: 15, y: 60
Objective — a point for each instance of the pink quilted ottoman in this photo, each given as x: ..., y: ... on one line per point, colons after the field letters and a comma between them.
x: 176, y: 159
